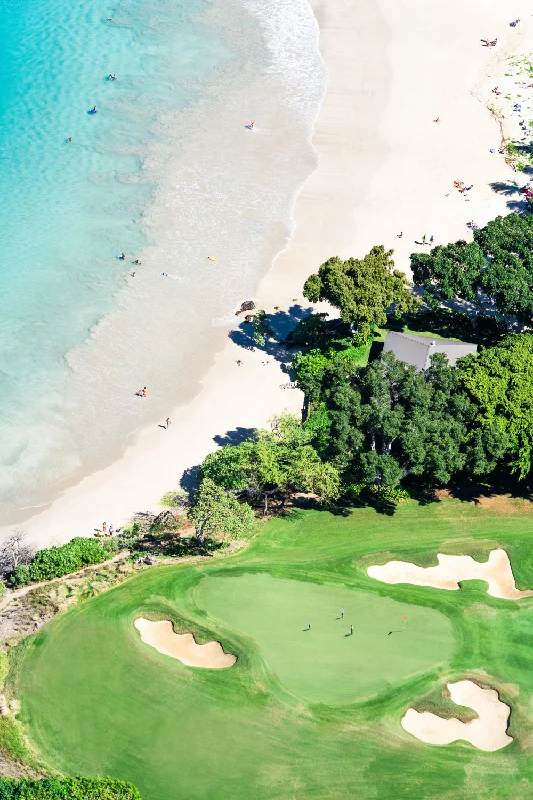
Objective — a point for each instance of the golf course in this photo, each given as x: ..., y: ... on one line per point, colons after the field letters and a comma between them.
x: 309, y: 709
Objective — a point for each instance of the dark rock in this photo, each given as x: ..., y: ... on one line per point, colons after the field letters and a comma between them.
x: 248, y: 305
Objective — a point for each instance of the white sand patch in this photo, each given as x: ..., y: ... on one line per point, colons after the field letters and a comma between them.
x: 182, y: 645
x: 451, y: 570
x: 488, y: 732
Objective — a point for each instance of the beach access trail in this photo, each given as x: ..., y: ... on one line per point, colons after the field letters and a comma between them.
x: 385, y: 167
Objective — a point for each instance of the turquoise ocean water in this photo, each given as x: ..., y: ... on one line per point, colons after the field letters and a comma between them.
x: 132, y: 179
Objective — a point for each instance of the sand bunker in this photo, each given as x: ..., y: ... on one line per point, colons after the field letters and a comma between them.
x: 451, y: 570
x: 488, y: 732
x: 182, y: 645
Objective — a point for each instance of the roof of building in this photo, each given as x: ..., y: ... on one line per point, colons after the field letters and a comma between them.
x: 417, y: 350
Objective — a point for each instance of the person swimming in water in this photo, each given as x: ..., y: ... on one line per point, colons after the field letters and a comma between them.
x: 112, y: 77
x: 121, y: 257
x: 69, y: 139
x: 93, y: 110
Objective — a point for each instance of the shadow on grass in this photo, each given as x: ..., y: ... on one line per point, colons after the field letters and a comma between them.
x: 476, y: 492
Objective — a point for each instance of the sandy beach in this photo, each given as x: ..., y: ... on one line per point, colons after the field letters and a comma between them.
x: 384, y: 167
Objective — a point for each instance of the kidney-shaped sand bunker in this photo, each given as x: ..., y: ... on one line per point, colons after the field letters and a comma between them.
x: 182, y: 646
x: 488, y: 732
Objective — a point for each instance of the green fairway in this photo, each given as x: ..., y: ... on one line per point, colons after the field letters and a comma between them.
x: 301, y: 715
x: 326, y: 664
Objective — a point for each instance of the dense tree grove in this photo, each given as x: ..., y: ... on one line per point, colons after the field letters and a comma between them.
x: 372, y: 423
x: 498, y: 263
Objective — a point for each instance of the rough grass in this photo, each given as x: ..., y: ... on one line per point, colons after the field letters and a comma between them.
x: 96, y: 701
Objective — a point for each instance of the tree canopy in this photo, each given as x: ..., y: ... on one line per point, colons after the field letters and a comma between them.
x: 362, y: 289
x: 499, y: 262
x: 499, y: 382
x: 450, y: 271
x: 387, y: 421
x: 214, y: 510
x: 271, y: 464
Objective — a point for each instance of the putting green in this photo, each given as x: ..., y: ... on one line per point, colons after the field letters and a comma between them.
x: 326, y: 664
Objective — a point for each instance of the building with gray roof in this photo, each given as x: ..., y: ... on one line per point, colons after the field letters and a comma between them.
x: 417, y: 350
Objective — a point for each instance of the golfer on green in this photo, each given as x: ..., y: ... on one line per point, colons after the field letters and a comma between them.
x: 309, y: 625
x: 342, y: 613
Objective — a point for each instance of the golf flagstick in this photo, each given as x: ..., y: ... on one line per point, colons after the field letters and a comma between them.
x: 404, y: 620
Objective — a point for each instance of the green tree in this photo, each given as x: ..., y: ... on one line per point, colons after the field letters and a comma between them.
x: 214, y: 510
x: 261, y: 330
x: 309, y: 368
x: 508, y: 244
x: 499, y: 262
x: 498, y: 381
x: 450, y: 271
x: 387, y: 421
x: 273, y: 463
x: 362, y: 289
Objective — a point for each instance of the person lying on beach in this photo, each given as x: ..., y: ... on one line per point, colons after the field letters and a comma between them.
x: 137, y: 261
x: 141, y: 392
x: 437, y: 120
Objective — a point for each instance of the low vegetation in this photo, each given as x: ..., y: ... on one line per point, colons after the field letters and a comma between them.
x: 53, y: 562
x: 67, y: 789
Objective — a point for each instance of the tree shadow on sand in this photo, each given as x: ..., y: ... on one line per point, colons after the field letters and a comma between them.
x: 520, y: 203
x: 281, y: 323
x: 237, y: 436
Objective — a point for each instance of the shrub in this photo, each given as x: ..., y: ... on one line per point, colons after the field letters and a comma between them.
x: 111, y: 545
x: 67, y: 789
x: 176, y: 498
x: 53, y: 562
x: 21, y: 575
